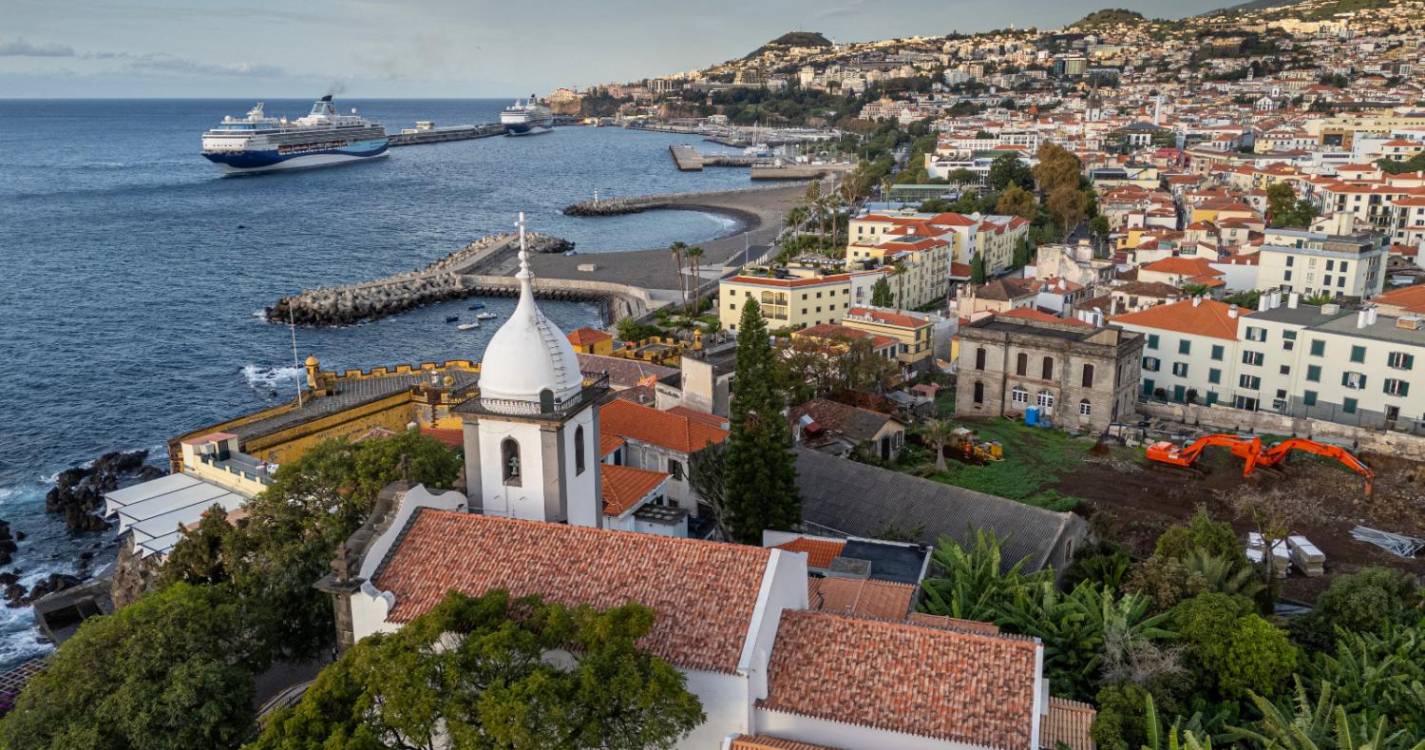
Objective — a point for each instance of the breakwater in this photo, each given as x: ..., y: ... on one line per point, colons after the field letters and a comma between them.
x: 455, y: 276
x: 420, y: 136
x: 698, y: 201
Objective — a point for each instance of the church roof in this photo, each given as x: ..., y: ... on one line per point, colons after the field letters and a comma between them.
x: 667, y: 429
x: 624, y: 486
x: 703, y: 593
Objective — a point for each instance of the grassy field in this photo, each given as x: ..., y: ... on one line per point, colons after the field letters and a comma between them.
x: 1034, y: 460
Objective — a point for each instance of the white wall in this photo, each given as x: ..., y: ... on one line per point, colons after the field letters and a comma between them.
x: 586, y: 506
x: 527, y: 500
x: 845, y: 736
x: 784, y: 586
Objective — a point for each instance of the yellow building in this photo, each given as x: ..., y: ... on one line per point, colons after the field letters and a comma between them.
x: 588, y: 340
x: 922, y: 267
x: 789, y: 298
x: 911, y: 331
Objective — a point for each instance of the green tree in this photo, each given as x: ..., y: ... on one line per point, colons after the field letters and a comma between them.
x: 881, y: 295
x: 1370, y: 600
x: 1258, y: 658
x: 972, y: 582
x: 1016, y: 201
x: 173, y: 671
x: 761, y: 489
x: 1099, y: 228
x: 1069, y: 206
x: 1006, y: 170
x: 938, y: 432
x: 693, y: 254
x: 978, y: 273
x: 474, y: 670
x: 1058, y: 169
x: 1023, y: 253
x: 1305, y: 724
x: 1283, y: 208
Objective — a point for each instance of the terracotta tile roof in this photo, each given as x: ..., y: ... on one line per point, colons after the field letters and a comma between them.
x: 860, y: 597
x: 839, y: 278
x: 765, y: 742
x: 1209, y: 318
x: 1410, y: 298
x: 952, y: 623
x: 887, y: 317
x: 838, y: 331
x: 1067, y: 722
x: 703, y: 592
x: 819, y: 552
x: 609, y: 443
x: 853, y: 422
x: 711, y: 420
x: 1183, y: 267
x: 586, y: 336
x: 1025, y: 313
x: 624, y: 486
x: 622, y: 372
x: 904, y: 678
x: 454, y: 438
x: 673, y: 431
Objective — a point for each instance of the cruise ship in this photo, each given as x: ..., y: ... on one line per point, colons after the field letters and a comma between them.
x: 259, y: 143
x: 527, y: 118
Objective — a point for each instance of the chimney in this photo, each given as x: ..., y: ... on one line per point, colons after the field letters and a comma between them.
x: 1371, y: 313
x: 1232, y: 312
x: 1292, y: 299
x: 1197, y: 300
x: 1264, y: 302
x: 1360, y: 318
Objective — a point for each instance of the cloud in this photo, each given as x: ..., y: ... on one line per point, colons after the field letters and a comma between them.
x: 18, y: 47
x: 163, y: 63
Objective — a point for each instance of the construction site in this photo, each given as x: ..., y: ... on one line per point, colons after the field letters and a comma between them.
x: 1133, y: 485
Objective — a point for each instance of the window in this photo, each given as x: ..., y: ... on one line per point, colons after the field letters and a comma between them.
x: 1047, y: 370
x: 1256, y: 334
x: 1396, y: 387
x: 979, y: 391
x: 1358, y: 354
x: 1045, y: 400
x: 1313, y: 373
x: 1184, y: 346
x: 1353, y: 380
x: 1150, y: 364
x: 1286, y: 275
x: 1252, y: 358
x: 1348, y: 405
x: 1087, y: 381
x: 1318, y: 347
x: 1085, y: 408
x: 510, y: 462
x: 1214, y: 376
x: 1309, y: 398
x: 1250, y: 382
x: 1217, y: 352
x: 1152, y: 341
x: 980, y: 358
x: 1343, y: 266
x: 675, y: 467
x: 1019, y: 396
x: 1021, y: 364
x: 1399, y: 361
x: 579, y: 450
x: 1180, y: 369
x: 1284, y: 370
x: 1290, y: 261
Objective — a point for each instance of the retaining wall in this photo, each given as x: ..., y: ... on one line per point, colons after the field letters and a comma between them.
x: 1363, y: 439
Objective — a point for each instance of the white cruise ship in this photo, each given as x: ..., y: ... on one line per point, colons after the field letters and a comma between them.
x: 259, y: 143
x: 527, y: 118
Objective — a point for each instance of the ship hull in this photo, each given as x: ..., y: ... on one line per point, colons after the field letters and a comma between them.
x: 526, y: 128
x: 271, y: 160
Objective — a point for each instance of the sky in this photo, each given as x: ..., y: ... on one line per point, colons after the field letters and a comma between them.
x: 446, y: 48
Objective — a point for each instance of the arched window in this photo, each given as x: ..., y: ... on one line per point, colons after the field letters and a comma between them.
x: 980, y: 358
x: 1021, y: 364
x: 1088, y: 376
x: 1048, y: 370
x: 979, y: 392
x: 1046, y: 401
x: 510, y: 461
x: 1085, y: 408
x: 1019, y: 397
x: 579, y: 450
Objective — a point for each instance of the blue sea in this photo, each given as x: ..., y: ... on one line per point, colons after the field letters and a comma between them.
x: 132, y: 274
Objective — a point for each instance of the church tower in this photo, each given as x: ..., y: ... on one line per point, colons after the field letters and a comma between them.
x: 532, y: 434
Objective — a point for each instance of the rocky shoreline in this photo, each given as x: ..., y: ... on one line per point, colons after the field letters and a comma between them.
x: 451, y: 277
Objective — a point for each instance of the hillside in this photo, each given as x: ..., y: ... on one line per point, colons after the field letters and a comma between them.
x: 793, y: 39
x: 1109, y: 17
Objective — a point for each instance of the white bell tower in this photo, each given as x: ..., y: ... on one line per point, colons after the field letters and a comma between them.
x: 532, y: 434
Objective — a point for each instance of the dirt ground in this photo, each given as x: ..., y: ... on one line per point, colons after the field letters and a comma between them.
x: 1131, y: 502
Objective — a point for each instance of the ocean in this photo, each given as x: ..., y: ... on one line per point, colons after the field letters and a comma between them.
x: 132, y: 274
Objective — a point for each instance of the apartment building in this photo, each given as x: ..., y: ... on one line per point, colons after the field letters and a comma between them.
x: 1077, y: 375
x: 1314, y: 263
x: 920, y: 266
x: 795, y: 297
x: 913, y: 332
x: 1190, y: 352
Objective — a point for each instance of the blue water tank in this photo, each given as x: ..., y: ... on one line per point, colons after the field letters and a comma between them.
x: 1031, y: 416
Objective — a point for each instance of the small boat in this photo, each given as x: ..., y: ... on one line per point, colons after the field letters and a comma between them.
x: 486, y: 316
x: 477, y: 306
x: 452, y: 318
x: 468, y: 326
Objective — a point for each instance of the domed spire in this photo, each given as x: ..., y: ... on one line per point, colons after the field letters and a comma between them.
x: 528, y: 355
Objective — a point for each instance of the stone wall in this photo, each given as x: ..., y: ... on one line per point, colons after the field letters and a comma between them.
x: 1363, y: 439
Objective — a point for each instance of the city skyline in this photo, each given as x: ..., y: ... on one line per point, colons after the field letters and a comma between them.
x: 439, y: 48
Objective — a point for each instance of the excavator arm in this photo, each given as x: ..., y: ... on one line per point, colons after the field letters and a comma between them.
x: 1278, y: 453
x: 1247, y: 449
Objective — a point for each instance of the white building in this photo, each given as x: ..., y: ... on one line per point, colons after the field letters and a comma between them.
x: 1191, y: 353
x: 1311, y: 263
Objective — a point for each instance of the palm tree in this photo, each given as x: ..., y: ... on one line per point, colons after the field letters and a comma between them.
x: 678, y: 248
x: 1177, y: 738
x: 938, y: 432
x: 692, y: 254
x: 1322, y: 725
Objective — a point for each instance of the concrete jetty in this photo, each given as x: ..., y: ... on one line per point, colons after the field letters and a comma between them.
x: 696, y: 201
x: 689, y: 159
x: 421, y: 136
x: 452, y: 277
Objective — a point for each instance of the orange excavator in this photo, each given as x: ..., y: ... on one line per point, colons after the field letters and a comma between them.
x: 1253, y: 456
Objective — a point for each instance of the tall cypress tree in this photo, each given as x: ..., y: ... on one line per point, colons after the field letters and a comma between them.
x: 761, y: 480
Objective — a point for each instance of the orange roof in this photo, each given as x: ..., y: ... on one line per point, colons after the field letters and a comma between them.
x: 838, y: 331
x: 820, y: 552
x: 1067, y: 722
x: 212, y: 437
x: 766, y: 742
x: 453, y: 437
x: 861, y: 597
x: 887, y: 317
x: 1027, y: 313
x: 663, y: 428
x: 836, y: 278
x: 1410, y: 298
x: 609, y: 443
x: 587, y: 336
x: 1182, y: 267
x: 624, y: 486
x: 904, y: 678
x: 703, y: 593
x: 711, y: 420
x: 1208, y: 318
